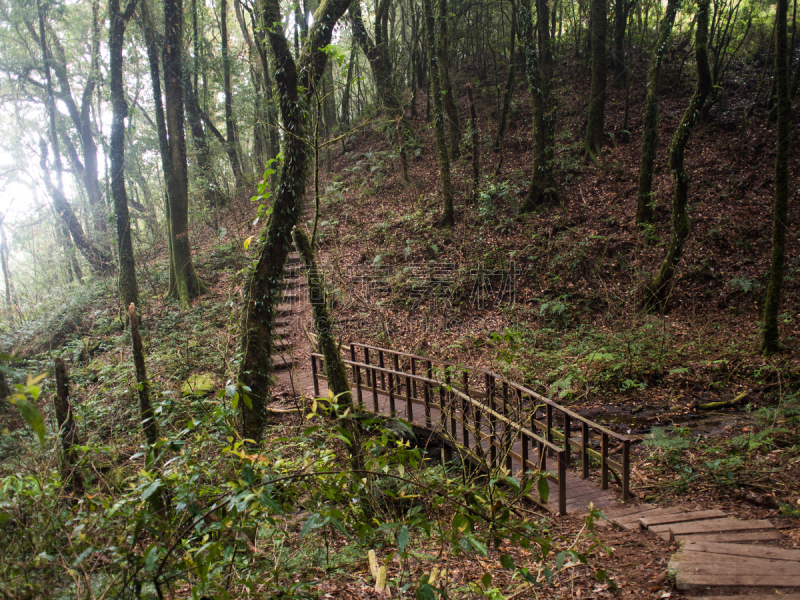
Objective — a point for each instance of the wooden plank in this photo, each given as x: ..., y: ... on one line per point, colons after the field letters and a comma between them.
x: 766, y: 596
x: 699, y: 515
x: 712, y: 526
x: 756, y: 550
x: 630, y: 510
x: 634, y: 518
x: 723, y: 563
x: 688, y: 581
x: 736, y: 536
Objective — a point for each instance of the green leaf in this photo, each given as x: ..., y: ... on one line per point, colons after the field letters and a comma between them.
x: 151, y: 489
x: 402, y: 539
x: 486, y: 580
x: 478, y: 545
x: 544, y: 489
x: 31, y: 415
x: 150, y: 558
x: 82, y: 556
x: 507, y: 561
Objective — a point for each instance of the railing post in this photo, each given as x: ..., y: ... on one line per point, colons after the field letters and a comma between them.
x: 508, y: 436
x: 366, y: 371
x: 567, y: 428
x: 562, y: 482
x: 523, y: 441
x: 548, y: 411
x: 356, y: 376
x: 374, y: 380
x: 414, y: 372
x: 540, y: 447
x: 428, y: 393
x: 492, y: 422
x: 409, y: 402
x: 626, y: 470
x: 451, y: 409
x: 585, y: 450
x: 465, y: 409
x: 604, y: 461
x: 314, y: 375
x: 382, y: 366
x: 391, y: 394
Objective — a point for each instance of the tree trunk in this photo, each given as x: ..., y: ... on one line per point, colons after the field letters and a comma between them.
x: 66, y: 428
x: 656, y: 290
x: 186, y: 280
x: 128, y: 287
x: 232, y: 139
x: 644, y: 207
x: 475, y: 135
x: 264, y: 282
x: 770, y: 334
x: 597, y: 96
x: 509, y: 90
x: 621, y: 8
x: 146, y: 415
x: 344, y: 120
x: 161, y: 128
x: 542, y: 187
x: 448, y: 215
x: 450, y: 108
x: 99, y: 260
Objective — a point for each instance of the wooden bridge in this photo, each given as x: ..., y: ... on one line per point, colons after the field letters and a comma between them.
x: 491, y: 422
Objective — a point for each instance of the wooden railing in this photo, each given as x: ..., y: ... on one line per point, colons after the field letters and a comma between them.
x: 487, y: 418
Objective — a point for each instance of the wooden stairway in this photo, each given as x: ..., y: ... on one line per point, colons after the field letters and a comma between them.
x: 718, y: 551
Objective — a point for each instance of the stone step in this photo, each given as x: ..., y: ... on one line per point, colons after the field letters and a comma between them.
x: 282, y: 363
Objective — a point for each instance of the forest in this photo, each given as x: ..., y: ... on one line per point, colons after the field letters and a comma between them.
x: 231, y: 229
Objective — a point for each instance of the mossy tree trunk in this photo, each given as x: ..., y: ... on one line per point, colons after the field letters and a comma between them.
x: 187, y: 282
x: 509, y: 89
x: 146, y: 415
x: 644, y: 202
x: 377, y: 52
x: 656, y: 290
x: 593, y: 142
x: 128, y: 286
x: 448, y: 214
x: 296, y: 85
x: 67, y: 430
x: 148, y: 29
x: 449, y: 101
x: 231, y: 134
x: 770, y: 341
x: 539, y: 71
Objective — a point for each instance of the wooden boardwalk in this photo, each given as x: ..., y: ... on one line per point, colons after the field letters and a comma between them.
x: 716, y: 553
x: 719, y: 552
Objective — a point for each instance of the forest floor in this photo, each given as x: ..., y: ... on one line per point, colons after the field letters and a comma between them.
x: 550, y: 299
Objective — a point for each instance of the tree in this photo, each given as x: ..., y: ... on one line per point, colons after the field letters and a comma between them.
x: 128, y: 287
x: 187, y: 282
x: 98, y: 259
x: 232, y: 137
x: 296, y: 83
x: 445, y: 84
x: 644, y: 208
x: 770, y: 341
x: 448, y: 215
x: 655, y: 291
x: 593, y: 142
x: 539, y: 68
x: 377, y: 53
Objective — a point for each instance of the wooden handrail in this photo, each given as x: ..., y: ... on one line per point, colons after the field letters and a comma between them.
x: 521, y: 388
x: 451, y: 401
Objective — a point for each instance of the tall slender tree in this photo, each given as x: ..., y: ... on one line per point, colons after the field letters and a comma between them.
x: 450, y: 109
x: 656, y: 290
x: 770, y: 341
x: 187, y: 282
x: 593, y: 142
x: 644, y: 208
x: 296, y: 82
x: 232, y: 136
x: 128, y: 286
x: 448, y: 214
